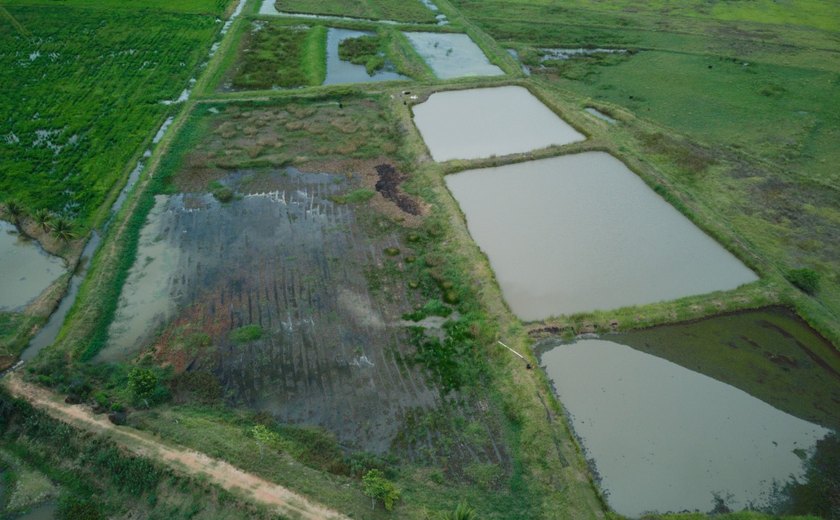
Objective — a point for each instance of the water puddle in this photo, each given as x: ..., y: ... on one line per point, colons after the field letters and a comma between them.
x: 26, y: 270
x: 340, y: 71
x: 452, y: 55
x: 476, y: 123
x: 46, y: 511
x: 565, y: 54
x: 582, y: 232
x: 600, y: 115
x: 665, y: 438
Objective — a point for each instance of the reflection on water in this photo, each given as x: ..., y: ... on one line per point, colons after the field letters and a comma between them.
x: 582, y: 232
x: 664, y: 438
x: 25, y: 269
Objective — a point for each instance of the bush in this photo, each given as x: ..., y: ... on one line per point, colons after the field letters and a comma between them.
x: 806, y: 280
x: 246, y: 334
x: 377, y: 487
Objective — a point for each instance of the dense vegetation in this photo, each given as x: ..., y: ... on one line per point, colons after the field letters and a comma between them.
x: 84, y: 90
x: 276, y: 55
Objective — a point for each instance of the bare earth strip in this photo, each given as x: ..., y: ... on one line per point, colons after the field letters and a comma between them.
x: 181, y: 460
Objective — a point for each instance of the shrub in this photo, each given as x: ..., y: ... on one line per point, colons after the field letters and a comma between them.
x: 377, y: 487
x: 246, y: 334
x: 806, y: 280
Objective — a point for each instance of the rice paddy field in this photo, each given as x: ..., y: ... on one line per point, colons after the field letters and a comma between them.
x: 291, y: 287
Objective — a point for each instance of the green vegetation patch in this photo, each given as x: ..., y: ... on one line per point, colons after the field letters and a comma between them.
x: 276, y: 55
x: 397, y: 10
x: 246, y: 334
x: 84, y: 90
x: 365, y: 50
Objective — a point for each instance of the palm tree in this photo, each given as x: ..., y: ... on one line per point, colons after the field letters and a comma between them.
x: 63, y: 230
x: 462, y: 512
x: 43, y: 217
x: 16, y: 211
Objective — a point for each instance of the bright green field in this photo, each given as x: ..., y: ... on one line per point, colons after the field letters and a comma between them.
x: 80, y: 94
x: 398, y: 10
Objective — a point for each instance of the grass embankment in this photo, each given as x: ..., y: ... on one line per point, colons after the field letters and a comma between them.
x: 397, y: 10
x: 726, y: 112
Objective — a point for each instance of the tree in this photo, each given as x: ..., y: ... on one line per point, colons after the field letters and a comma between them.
x: 63, y: 230
x: 377, y: 487
x: 142, y: 382
x: 16, y: 211
x: 462, y: 512
x: 43, y: 217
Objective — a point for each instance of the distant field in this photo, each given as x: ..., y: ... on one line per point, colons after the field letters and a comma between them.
x: 399, y: 10
x: 216, y: 7
x: 81, y: 91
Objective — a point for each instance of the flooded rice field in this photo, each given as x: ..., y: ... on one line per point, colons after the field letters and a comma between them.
x: 476, y: 123
x: 582, y: 232
x: 706, y: 430
x: 452, y: 55
x: 26, y: 269
x: 270, y: 294
x: 340, y: 71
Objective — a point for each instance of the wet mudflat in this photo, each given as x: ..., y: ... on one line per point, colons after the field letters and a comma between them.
x: 666, y: 438
x: 476, y: 123
x: 452, y: 55
x: 340, y: 71
x: 25, y: 269
x: 582, y: 232
x: 290, y: 266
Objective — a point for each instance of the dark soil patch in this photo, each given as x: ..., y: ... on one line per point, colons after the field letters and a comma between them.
x: 389, y: 186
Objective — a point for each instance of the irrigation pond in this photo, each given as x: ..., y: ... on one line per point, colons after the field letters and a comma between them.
x: 582, y: 232
x: 684, y: 434
x: 478, y: 123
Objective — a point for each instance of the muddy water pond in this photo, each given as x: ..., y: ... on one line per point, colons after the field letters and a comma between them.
x: 665, y: 438
x: 476, y: 123
x: 288, y: 260
x: 340, y: 71
x: 582, y: 232
x: 25, y: 269
x: 452, y: 55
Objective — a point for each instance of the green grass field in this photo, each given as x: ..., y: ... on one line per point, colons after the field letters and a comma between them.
x: 215, y: 7
x: 397, y: 10
x: 85, y: 88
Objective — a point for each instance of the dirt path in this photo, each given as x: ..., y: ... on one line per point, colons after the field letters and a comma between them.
x: 180, y: 460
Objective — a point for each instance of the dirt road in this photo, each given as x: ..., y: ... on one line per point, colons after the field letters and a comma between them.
x: 180, y: 460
